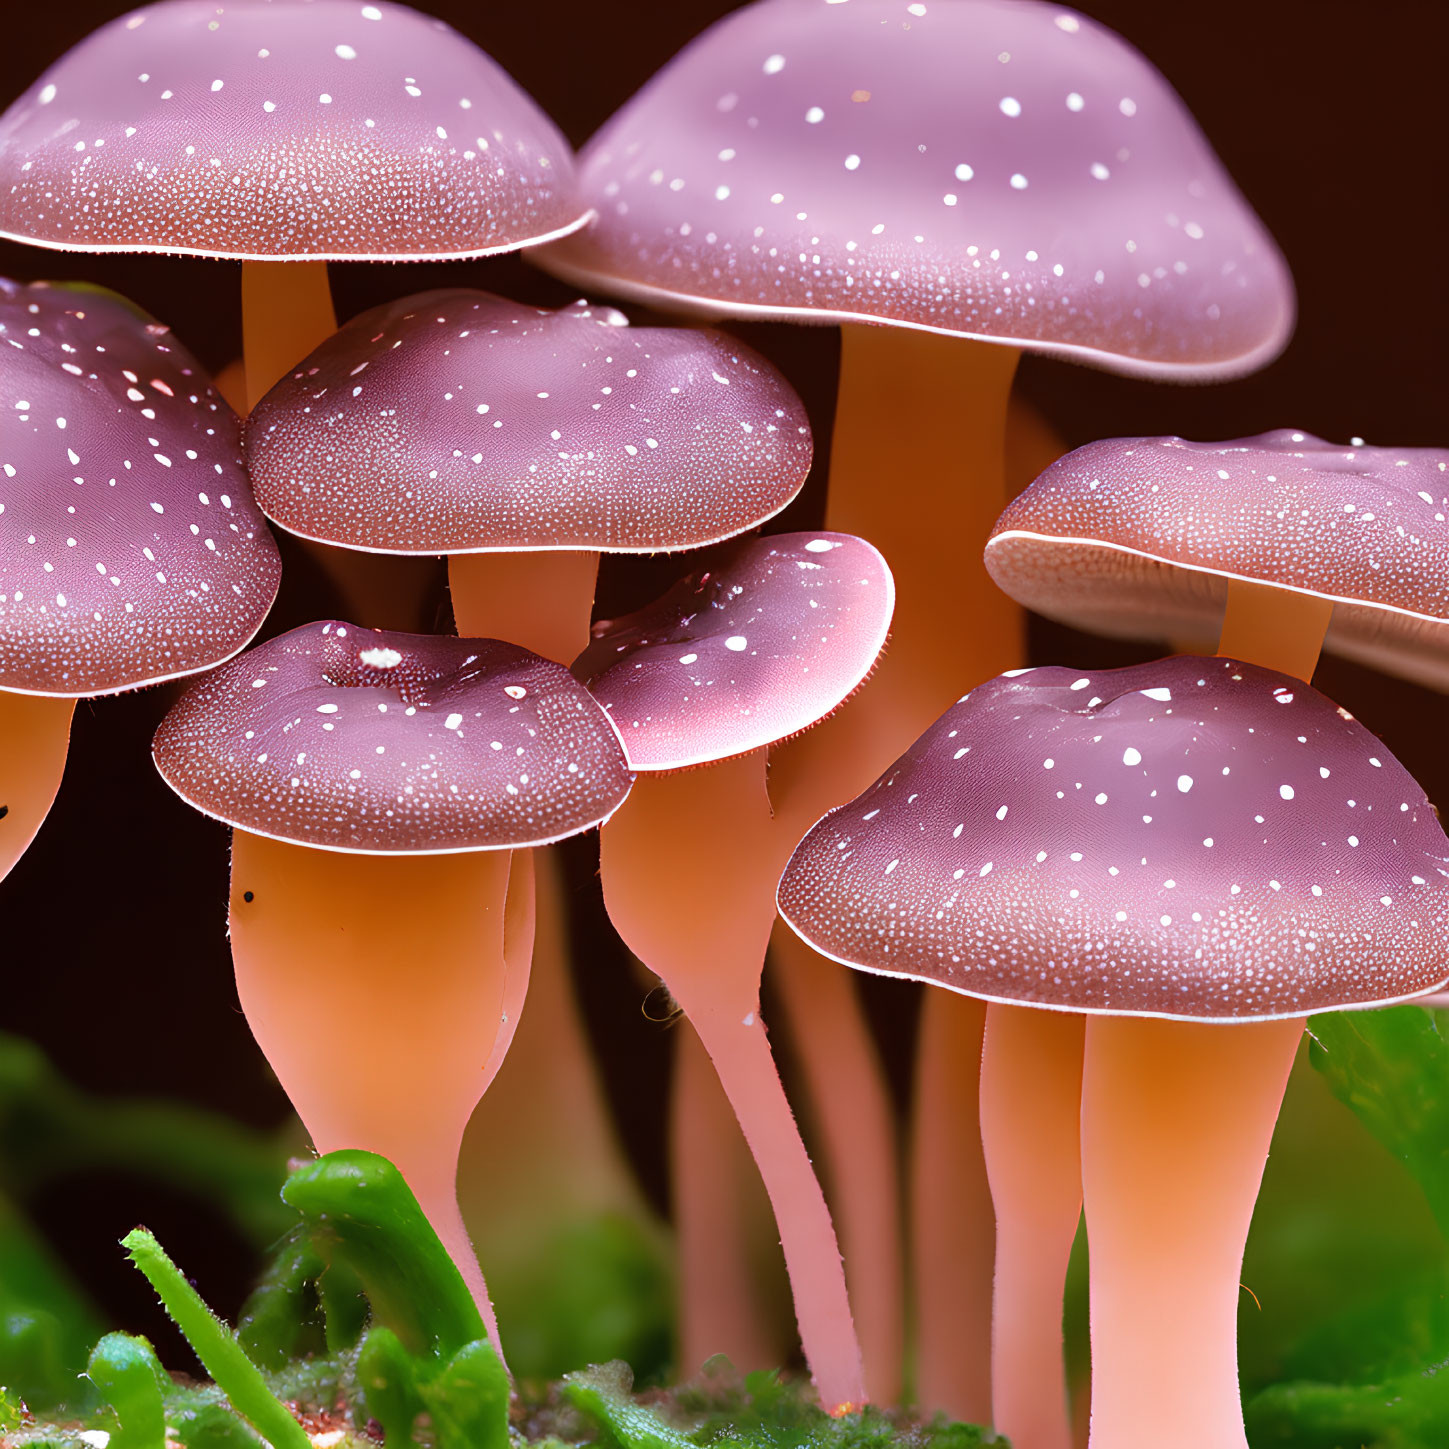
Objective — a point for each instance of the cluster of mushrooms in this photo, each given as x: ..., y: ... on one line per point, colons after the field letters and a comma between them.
x: 1133, y: 885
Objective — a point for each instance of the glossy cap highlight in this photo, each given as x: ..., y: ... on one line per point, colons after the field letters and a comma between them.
x: 765, y: 641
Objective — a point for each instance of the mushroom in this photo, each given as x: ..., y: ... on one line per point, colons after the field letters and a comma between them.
x: 522, y: 442
x: 765, y: 641
x: 378, y: 785
x: 1295, y: 538
x: 283, y: 137
x: 1194, y: 854
x: 882, y: 167
x: 130, y: 549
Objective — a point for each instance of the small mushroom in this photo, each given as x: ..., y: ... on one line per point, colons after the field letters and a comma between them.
x: 130, y: 549
x: 770, y: 638
x: 1195, y: 854
x: 1296, y: 538
x: 378, y: 785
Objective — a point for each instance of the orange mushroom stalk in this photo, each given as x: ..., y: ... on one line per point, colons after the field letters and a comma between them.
x: 764, y: 642
x: 377, y: 784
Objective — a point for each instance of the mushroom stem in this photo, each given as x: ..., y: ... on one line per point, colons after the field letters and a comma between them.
x: 1176, y: 1122
x: 286, y: 312
x: 689, y: 865
x: 1031, y: 1112
x: 1274, y: 628
x: 850, y: 1100
x: 34, y: 739
x: 724, y: 1226
x: 931, y: 410
x: 952, y: 1235
x: 542, y: 600
x: 375, y: 986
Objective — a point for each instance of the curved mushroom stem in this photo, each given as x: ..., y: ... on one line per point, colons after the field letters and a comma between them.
x: 1031, y: 1114
x: 1274, y: 628
x: 931, y: 410
x: 1176, y: 1122
x: 34, y: 739
x: 850, y: 1100
x: 541, y: 600
x: 286, y: 312
x: 375, y: 987
x: 724, y: 1225
x: 689, y: 865
x: 953, y: 1236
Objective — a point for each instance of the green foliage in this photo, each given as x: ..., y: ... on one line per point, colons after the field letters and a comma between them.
x: 766, y: 1412
x: 359, y: 1212
x: 133, y: 1384
x: 1391, y: 1068
x: 601, y: 1290
x: 215, y: 1345
x: 1374, y: 1375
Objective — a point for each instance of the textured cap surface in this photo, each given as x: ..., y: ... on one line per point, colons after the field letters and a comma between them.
x: 130, y: 548
x: 1139, y: 536
x: 282, y: 128
x: 764, y: 642
x: 1192, y: 838
x: 456, y: 421
x: 363, y: 740
x: 998, y: 168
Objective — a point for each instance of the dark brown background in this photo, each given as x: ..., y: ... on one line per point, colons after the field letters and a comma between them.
x: 112, y: 928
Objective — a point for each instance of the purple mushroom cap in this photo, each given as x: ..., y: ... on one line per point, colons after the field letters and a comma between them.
x: 275, y: 129
x: 130, y: 548
x: 1003, y: 170
x: 382, y: 743
x: 1193, y: 838
x: 767, y: 639
x: 459, y: 422
x: 1140, y: 536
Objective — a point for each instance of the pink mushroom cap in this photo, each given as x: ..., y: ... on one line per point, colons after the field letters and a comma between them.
x: 375, y: 742
x: 1002, y: 170
x: 1193, y: 838
x: 767, y: 639
x: 130, y: 548
x: 459, y: 422
x: 282, y: 129
x: 1141, y: 536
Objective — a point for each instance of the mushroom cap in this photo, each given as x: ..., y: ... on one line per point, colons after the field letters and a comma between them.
x: 282, y: 129
x: 459, y: 422
x: 130, y: 548
x: 1193, y: 838
x: 765, y: 640
x: 1140, y: 536
x: 997, y: 169
x: 380, y: 743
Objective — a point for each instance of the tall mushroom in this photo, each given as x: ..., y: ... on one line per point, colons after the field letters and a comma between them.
x: 1195, y: 854
x: 767, y: 639
x: 283, y: 136
x: 952, y: 183
x: 378, y: 784
x: 130, y: 549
